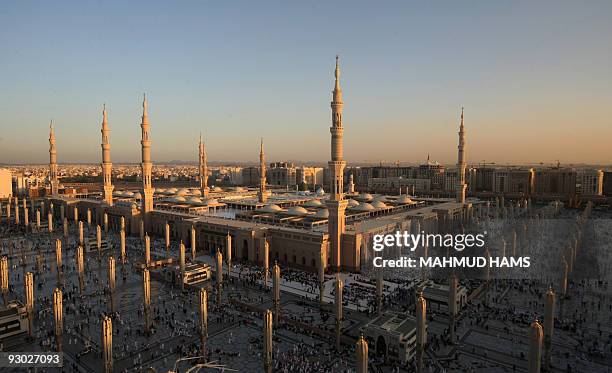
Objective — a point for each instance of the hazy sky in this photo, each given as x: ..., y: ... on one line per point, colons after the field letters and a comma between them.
x: 535, y: 78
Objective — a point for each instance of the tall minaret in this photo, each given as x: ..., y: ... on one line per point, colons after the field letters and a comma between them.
x: 262, y: 174
x: 336, y: 204
x: 461, y: 186
x: 52, y: 162
x: 203, y: 169
x: 107, y: 166
x: 147, y: 166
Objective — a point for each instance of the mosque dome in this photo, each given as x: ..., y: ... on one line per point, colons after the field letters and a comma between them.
x: 239, y: 189
x: 365, y: 197
x: 313, y: 203
x: 182, y: 192
x: 171, y: 191
x: 137, y: 195
x: 160, y: 190
x: 322, y: 213
x: 379, y: 205
x: 178, y: 199
x: 364, y: 207
x: 209, y: 201
x: 129, y: 194
x: 117, y: 193
x: 297, y: 211
x: 381, y: 199
x: 218, y: 189
x: 352, y: 203
x: 404, y: 199
x: 194, y: 200
x: 196, y: 192
x: 271, y: 208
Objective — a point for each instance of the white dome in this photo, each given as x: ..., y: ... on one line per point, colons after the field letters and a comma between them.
x: 364, y: 206
x: 218, y: 189
x: 160, y: 190
x: 297, y: 211
x: 182, y: 192
x: 137, y: 195
x: 209, y: 201
x: 365, y: 197
x: 179, y: 199
x: 196, y: 192
x: 322, y: 213
x: 381, y: 199
x: 313, y: 203
x: 117, y: 193
x: 171, y: 190
x: 271, y: 208
x: 352, y: 203
x: 405, y: 200
x: 129, y: 194
x: 379, y: 205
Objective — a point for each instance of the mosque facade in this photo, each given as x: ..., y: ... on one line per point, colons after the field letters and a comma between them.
x: 331, y: 229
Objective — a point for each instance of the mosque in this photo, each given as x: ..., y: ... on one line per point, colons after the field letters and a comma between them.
x: 330, y: 229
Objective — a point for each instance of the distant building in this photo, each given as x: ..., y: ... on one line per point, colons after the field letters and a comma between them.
x: 451, y: 178
x: 555, y: 181
x: 437, y: 296
x: 392, y: 185
x: 513, y: 181
x: 6, y: 183
x: 607, y: 184
x: 434, y: 172
x: 311, y: 176
x: 590, y: 182
x: 250, y: 176
x: 484, y: 179
x: 281, y: 174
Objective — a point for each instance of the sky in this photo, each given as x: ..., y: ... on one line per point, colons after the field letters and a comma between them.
x: 534, y: 77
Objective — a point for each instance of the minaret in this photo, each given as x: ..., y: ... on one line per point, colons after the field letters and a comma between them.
x: 263, y: 197
x: 53, y: 162
x: 461, y: 186
x: 147, y: 166
x: 336, y: 204
x: 203, y: 169
x: 107, y: 166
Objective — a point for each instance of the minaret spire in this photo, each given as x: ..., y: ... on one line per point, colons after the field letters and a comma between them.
x: 461, y: 186
x: 263, y: 197
x: 146, y: 165
x: 53, y: 162
x: 336, y: 204
x: 203, y: 168
x: 107, y: 166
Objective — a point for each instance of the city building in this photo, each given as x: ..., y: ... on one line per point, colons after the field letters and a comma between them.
x: 6, y: 183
